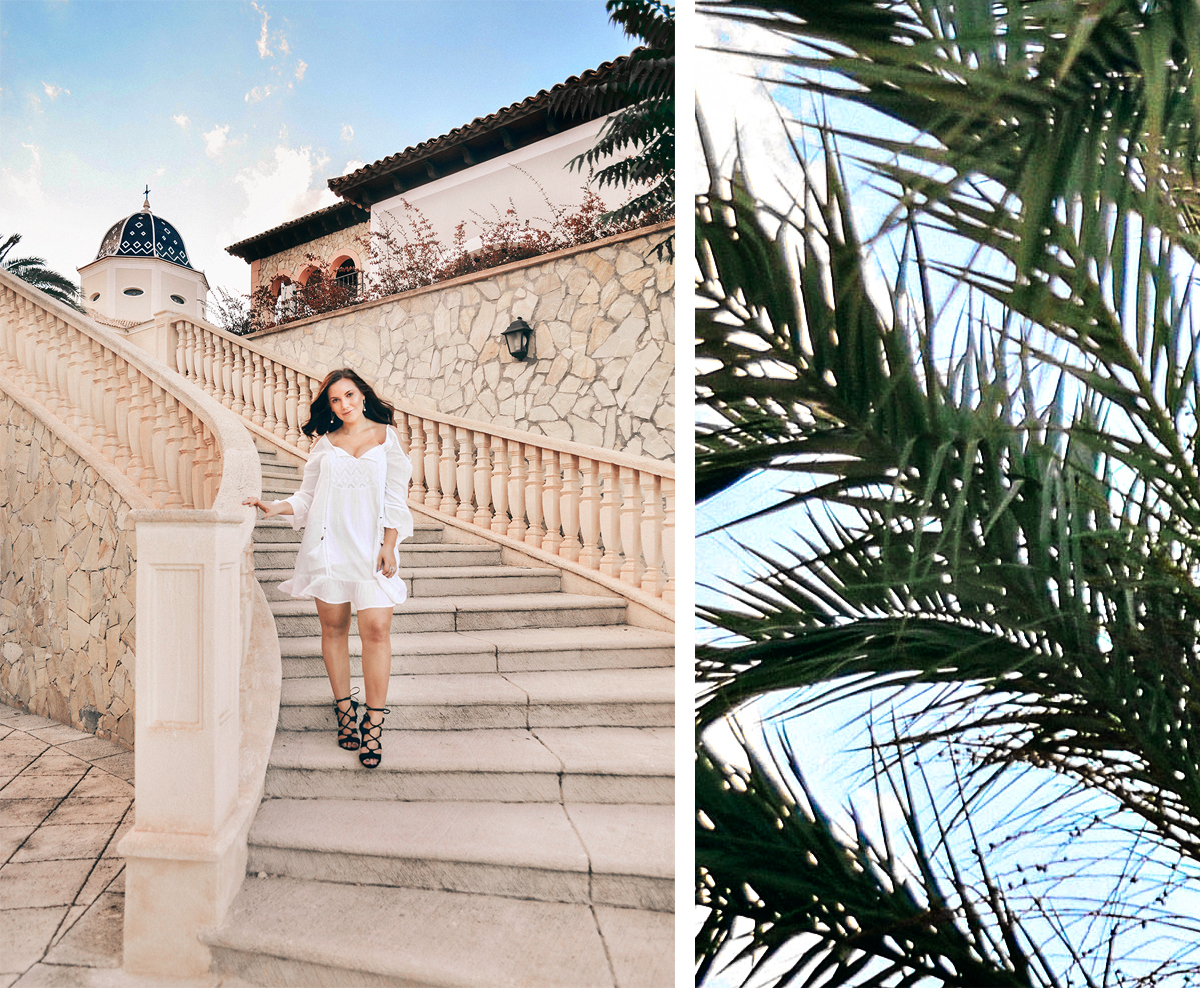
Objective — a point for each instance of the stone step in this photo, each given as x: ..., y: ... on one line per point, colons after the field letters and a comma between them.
x: 283, y: 932
x: 270, y: 532
x: 591, y: 853
x: 298, y: 618
x: 546, y: 765
x: 453, y: 701
x: 613, y: 646
x: 448, y: 581
x: 407, y: 554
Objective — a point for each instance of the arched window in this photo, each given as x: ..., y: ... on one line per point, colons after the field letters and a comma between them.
x: 347, y: 275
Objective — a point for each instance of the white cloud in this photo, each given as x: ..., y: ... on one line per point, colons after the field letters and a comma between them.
x: 301, y: 68
x: 24, y: 187
x: 280, y: 190
x: 284, y: 47
x: 35, y: 103
x: 732, y: 90
x: 180, y: 119
x: 54, y: 92
x: 353, y: 165
x: 264, y: 48
x: 259, y: 93
x: 347, y: 132
x: 214, y: 140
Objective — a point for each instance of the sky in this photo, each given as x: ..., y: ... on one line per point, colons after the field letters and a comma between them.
x: 237, y: 112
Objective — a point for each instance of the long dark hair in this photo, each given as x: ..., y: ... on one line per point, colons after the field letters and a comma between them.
x: 321, y: 418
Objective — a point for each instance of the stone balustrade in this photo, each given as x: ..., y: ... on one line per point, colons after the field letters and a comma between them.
x: 609, y: 512
x: 181, y: 465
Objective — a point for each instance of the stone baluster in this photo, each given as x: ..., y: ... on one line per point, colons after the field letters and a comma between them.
x: 433, y: 495
x: 534, y: 531
x: 270, y: 421
x: 308, y: 391
x: 610, y: 518
x: 257, y: 386
x: 292, y: 407
x: 136, y: 470
x: 45, y: 327
x: 225, y: 372
x: 121, y: 400
x: 237, y: 380
x: 96, y: 405
x: 446, y: 468
x: 212, y: 469
x: 195, y: 356
x: 483, y: 480
x: 416, y: 454
x: 194, y: 429
x: 280, y: 394
x: 171, y: 454
x: 589, y: 513
x: 651, y: 532
x: 464, y: 475
x: 207, y: 369
x: 111, y: 445
x: 516, y: 491
x: 551, y: 500
x: 668, y: 538
x: 499, y: 485
x: 569, y: 547
x: 55, y: 377
x: 181, y: 329
x: 631, y: 511
x: 404, y: 433
x: 158, y: 446
x: 188, y: 489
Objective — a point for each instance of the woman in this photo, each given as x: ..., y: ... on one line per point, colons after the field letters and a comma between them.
x: 353, y: 506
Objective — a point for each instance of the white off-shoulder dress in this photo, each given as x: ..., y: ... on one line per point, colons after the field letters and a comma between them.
x: 343, y: 505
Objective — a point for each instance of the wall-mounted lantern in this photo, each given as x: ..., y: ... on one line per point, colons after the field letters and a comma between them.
x: 517, y: 337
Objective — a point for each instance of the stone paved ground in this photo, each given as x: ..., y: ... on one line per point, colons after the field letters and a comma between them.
x: 66, y: 799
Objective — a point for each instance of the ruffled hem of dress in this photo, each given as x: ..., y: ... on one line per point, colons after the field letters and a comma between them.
x: 369, y: 593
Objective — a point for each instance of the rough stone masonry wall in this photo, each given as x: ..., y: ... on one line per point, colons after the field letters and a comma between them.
x: 603, y: 360
x: 293, y: 260
x: 67, y: 571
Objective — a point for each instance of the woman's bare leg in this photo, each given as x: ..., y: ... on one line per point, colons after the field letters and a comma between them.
x: 375, y: 630
x: 335, y: 645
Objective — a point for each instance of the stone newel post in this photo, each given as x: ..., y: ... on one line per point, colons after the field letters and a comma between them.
x: 184, y: 863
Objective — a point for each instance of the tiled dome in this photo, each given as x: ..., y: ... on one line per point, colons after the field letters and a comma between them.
x: 144, y: 235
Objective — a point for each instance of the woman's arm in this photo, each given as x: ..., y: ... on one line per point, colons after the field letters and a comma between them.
x: 386, y: 563
x: 272, y: 508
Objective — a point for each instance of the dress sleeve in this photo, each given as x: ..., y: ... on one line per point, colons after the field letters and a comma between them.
x: 395, y: 491
x: 302, y: 500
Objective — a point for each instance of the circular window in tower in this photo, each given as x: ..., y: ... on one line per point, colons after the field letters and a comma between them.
x: 96, y: 296
x: 178, y: 300
x: 133, y: 291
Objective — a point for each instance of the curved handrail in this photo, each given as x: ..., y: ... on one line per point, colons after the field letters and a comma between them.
x: 611, y: 512
x: 166, y: 435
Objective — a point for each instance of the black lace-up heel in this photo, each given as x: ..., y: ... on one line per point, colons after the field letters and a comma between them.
x: 371, y: 753
x: 347, y: 737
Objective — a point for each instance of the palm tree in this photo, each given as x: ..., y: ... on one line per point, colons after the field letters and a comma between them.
x: 642, y: 92
x: 34, y: 271
x: 995, y: 501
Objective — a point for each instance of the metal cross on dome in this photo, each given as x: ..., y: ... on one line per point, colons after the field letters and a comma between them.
x: 146, y: 204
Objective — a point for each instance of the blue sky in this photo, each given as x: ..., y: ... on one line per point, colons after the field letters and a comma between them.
x: 237, y: 112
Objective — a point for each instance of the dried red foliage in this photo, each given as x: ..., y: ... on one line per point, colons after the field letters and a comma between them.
x: 413, y: 255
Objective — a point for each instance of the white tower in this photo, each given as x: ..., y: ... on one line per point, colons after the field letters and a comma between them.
x: 142, y: 268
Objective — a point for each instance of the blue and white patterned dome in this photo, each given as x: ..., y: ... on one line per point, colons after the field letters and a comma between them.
x: 144, y: 235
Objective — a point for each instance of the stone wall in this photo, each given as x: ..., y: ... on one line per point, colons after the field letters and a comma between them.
x: 294, y: 260
x: 601, y: 368
x: 67, y: 572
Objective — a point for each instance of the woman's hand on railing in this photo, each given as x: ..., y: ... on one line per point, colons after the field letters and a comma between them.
x: 270, y: 508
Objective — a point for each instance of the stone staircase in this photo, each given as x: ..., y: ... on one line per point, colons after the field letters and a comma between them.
x: 519, y: 830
